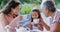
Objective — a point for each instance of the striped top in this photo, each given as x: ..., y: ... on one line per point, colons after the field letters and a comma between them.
x: 55, y: 19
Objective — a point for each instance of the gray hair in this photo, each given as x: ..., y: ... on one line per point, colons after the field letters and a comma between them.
x: 50, y: 5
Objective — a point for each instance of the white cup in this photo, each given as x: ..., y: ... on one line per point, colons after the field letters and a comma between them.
x: 22, y: 29
x: 36, y: 21
x: 24, y: 16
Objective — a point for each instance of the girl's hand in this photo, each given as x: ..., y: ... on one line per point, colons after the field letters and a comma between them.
x: 40, y: 27
x: 42, y: 22
x: 35, y: 25
x: 30, y: 25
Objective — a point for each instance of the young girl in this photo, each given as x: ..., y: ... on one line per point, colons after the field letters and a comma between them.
x: 35, y: 15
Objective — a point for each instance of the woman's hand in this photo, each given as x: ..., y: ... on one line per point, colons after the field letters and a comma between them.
x: 21, y: 17
x: 55, y: 27
x: 14, y: 21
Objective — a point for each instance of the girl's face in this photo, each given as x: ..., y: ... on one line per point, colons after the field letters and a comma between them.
x: 34, y: 15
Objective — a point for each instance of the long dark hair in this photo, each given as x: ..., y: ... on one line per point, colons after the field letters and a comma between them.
x: 38, y: 11
x: 12, y: 4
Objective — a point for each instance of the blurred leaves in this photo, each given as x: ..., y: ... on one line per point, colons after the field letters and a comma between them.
x: 31, y: 1
x: 27, y: 9
x: 57, y: 2
x: 2, y: 3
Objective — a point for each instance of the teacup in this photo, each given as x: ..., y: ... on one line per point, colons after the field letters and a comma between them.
x: 22, y: 29
x: 35, y: 21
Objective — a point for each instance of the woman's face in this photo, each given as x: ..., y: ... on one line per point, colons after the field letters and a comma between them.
x: 16, y: 10
x: 34, y: 15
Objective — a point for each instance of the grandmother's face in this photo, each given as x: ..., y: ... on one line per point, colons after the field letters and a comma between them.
x: 46, y: 12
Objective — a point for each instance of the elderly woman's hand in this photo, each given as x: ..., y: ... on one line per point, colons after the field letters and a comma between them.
x: 44, y: 25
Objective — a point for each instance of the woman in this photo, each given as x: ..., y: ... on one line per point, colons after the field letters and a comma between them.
x: 9, y: 17
x: 50, y: 10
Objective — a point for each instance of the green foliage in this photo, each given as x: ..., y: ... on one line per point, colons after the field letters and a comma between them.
x: 3, y: 3
x: 57, y: 2
x: 26, y: 9
x: 24, y: 1
x: 31, y: 1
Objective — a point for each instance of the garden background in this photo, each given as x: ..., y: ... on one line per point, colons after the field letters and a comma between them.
x: 27, y: 5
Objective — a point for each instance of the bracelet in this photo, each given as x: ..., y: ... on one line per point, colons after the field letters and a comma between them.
x: 7, y: 27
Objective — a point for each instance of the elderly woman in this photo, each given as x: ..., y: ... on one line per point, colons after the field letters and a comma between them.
x: 50, y: 10
x: 9, y: 17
